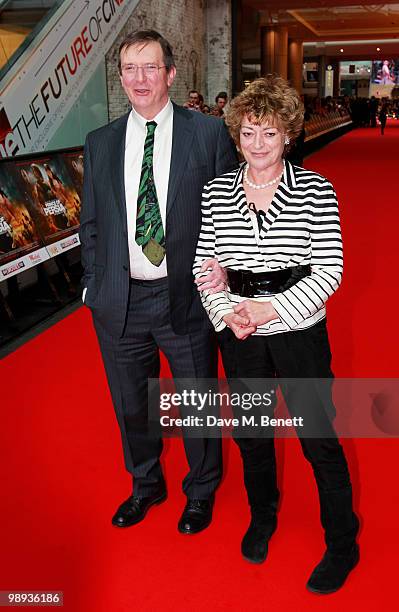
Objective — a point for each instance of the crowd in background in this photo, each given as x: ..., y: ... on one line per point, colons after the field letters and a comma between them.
x: 329, y: 110
x: 321, y: 107
x: 196, y: 102
x: 363, y: 111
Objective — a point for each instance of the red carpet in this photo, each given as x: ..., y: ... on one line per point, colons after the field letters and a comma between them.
x: 62, y: 468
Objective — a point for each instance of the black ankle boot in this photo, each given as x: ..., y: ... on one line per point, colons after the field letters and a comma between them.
x: 255, y: 543
x: 341, y: 526
x: 332, y: 571
x: 340, y: 523
x: 263, y: 498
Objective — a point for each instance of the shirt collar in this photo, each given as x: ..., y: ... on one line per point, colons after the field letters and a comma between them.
x: 160, y: 119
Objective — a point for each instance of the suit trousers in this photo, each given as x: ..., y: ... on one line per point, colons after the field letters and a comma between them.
x: 129, y: 362
x: 297, y: 354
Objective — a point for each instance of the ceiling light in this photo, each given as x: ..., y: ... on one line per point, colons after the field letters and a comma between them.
x: 341, y: 50
x: 378, y: 49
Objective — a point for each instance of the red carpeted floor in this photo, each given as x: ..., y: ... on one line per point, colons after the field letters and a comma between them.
x: 62, y: 468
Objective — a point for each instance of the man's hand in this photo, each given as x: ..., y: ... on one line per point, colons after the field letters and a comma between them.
x: 215, y: 280
x: 239, y: 325
x: 257, y: 313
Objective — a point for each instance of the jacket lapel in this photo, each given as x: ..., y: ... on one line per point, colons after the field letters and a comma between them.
x: 116, y: 146
x: 183, y: 134
x: 280, y: 199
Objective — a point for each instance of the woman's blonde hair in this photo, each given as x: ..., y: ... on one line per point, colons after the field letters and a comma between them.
x: 268, y: 99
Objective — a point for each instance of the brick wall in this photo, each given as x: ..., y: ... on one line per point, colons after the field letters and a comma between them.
x: 218, y: 48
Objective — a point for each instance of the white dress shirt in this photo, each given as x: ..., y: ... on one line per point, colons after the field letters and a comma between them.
x: 136, y: 131
x: 140, y: 267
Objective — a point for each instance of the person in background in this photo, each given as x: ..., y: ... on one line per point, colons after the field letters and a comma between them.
x: 193, y: 102
x: 220, y: 103
x: 373, y: 108
x: 201, y: 102
x: 221, y: 100
x: 383, y: 116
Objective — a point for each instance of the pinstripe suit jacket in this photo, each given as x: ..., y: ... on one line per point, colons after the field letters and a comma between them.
x: 201, y: 150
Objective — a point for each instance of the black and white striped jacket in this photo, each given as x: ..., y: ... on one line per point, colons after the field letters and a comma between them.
x: 301, y: 227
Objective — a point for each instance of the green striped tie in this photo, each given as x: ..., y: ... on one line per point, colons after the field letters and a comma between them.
x: 149, y: 229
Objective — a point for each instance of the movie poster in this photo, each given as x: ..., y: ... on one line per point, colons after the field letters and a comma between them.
x: 385, y: 72
x: 54, y: 200
x: 40, y: 202
x: 73, y: 161
x: 20, y: 242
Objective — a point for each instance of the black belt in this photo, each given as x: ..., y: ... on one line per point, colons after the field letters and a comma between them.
x: 155, y: 282
x: 249, y: 284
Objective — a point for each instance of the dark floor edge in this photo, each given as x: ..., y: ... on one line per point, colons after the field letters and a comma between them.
x: 15, y: 344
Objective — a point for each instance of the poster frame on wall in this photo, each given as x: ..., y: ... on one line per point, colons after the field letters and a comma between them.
x: 40, y: 200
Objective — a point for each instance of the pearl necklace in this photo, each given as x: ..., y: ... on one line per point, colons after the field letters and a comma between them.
x: 264, y: 185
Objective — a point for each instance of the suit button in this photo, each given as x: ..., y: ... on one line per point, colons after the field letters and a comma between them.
x: 125, y: 268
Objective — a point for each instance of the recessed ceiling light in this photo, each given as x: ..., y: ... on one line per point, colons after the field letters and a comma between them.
x: 378, y: 49
x: 341, y: 50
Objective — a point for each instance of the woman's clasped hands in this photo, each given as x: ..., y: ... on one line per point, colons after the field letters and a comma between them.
x: 247, y: 316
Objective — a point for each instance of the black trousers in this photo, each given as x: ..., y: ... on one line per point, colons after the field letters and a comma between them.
x: 300, y: 354
x: 129, y: 362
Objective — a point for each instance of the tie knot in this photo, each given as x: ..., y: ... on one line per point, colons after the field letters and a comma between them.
x: 151, y: 125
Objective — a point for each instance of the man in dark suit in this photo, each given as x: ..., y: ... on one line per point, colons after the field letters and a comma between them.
x: 140, y: 222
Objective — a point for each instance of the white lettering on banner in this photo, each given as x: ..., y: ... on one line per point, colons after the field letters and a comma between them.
x: 23, y: 263
x: 35, y: 257
x: 46, y: 85
x: 13, y: 268
x: 68, y: 244
x: 54, y: 207
x: 63, y: 245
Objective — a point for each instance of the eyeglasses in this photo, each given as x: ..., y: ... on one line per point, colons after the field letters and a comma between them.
x: 148, y: 69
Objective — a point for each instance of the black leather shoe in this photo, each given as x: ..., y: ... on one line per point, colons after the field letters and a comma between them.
x: 255, y: 543
x: 134, y: 509
x: 332, y: 571
x: 196, y: 516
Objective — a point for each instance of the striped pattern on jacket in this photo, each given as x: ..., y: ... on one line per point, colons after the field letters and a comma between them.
x: 301, y: 227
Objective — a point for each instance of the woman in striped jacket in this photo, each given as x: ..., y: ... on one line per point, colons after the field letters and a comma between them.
x: 275, y: 229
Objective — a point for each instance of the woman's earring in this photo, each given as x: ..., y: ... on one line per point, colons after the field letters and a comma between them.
x: 287, y: 140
